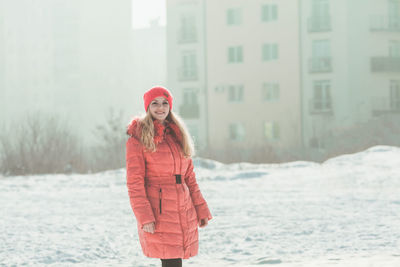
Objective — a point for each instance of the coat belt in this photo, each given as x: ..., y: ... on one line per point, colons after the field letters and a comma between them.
x: 166, y: 180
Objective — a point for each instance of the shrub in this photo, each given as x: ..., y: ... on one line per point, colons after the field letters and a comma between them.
x: 39, y: 144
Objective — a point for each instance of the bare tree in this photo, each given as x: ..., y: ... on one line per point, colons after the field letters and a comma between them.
x: 111, y: 137
x: 39, y: 144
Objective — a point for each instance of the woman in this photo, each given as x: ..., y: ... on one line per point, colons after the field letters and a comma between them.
x: 162, y: 187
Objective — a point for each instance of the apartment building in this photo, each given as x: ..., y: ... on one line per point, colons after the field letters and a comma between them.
x: 186, y: 65
x: 283, y: 73
x: 240, y: 71
x: 384, y: 32
x: 350, y: 64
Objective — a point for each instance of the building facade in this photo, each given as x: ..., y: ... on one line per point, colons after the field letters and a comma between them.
x: 186, y: 65
x: 384, y: 32
x: 243, y: 82
x: 253, y: 63
x: 350, y: 64
x: 286, y: 74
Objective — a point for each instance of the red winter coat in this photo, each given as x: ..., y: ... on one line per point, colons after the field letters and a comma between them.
x: 157, y: 196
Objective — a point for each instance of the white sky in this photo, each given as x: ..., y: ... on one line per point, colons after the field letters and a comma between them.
x: 145, y: 10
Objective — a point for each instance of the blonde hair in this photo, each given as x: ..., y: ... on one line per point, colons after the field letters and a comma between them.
x: 147, y: 135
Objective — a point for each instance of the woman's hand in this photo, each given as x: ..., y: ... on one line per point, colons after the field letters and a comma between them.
x: 149, y: 227
x: 203, y: 222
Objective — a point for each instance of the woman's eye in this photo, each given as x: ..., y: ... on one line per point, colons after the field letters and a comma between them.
x: 165, y: 103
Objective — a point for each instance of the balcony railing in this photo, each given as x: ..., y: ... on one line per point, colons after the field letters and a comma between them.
x: 385, y: 23
x: 385, y: 105
x: 385, y: 64
x: 319, y: 24
x: 189, y: 111
x: 320, y: 64
x: 187, y: 36
x: 320, y: 106
x: 188, y: 73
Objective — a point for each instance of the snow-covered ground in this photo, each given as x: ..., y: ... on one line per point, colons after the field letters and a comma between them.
x: 344, y: 212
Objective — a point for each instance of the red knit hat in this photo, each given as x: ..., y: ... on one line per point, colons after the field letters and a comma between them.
x: 157, y: 92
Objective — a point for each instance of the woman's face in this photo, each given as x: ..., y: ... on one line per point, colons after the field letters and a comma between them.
x: 159, y: 108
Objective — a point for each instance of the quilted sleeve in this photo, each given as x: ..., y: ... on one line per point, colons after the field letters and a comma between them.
x: 135, y: 173
x: 199, y: 202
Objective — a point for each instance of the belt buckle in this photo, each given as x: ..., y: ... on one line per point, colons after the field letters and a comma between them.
x: 178, y: 178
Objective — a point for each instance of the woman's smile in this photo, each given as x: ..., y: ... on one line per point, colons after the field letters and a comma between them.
x: 159, y: 108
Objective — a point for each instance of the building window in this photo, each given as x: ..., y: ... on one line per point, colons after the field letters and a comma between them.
x: 188, y: 71
x: 234, y: 16
x: 320, y: 8
x: 270, y: 52
x: 187, y: 31
x: 236, y: 131
x: 321, y: 60
x: 269, y: 13
x: 394, y: 14
x: 395, y: 94
x: 321, y: 48
x: 320, y: 19
x: 394, y: 8
x: 271, y: 130
x: 190, y: 96
x: 394, y: 49
x: 322, y: 96
x: 235, y: 93
x: 235, y: 54
x: 270, y: 91
x: 190, y: 108
x: 314, y: 142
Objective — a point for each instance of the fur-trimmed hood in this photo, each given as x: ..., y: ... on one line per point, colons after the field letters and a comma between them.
x: 134, y: 129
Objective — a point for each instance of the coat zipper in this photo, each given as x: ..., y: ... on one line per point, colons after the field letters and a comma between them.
x: 159, y: 196
x: 177, y: 193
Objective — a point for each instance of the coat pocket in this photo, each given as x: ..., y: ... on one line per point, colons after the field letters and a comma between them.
x: 160, y: 198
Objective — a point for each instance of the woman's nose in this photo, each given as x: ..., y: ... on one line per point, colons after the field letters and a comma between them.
x: 159, y: 106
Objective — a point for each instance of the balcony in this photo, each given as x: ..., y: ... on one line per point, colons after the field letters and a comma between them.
x: 385, y: 105
x: 385, y: 64
x: 320, y: 106
x: 189, y: 111
x: 319, y: 24
x: 385, y: 23
x: 320, y: 64
x: 186, y: 36
x: 188, y: 73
